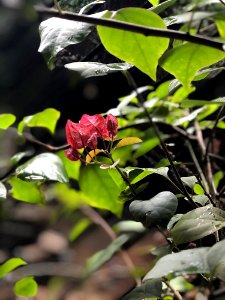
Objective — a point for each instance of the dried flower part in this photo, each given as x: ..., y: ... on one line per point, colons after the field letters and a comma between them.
x: 72, y: 154
x: 112, y: 126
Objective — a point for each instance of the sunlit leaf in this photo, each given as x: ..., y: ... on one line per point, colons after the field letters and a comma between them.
x: 26, y: 287
x: 155, y: 211
x: 220, y: 23
x: 90, y: 69
x: 128, y: 141
x: 102, y: 256
x: 99, y: 187
x: 136, y: 49
x: 72, y: 167
x: 184, y: 61
x: 47, y: 119
x: 10, y: 265
x: 91, y: 155
x: 181, y: 284
x: 149, y: 289
x: 25, y: 191
x: 79, y: 228
x: 154, y: 2
x: 184, y: 262
x: 190, y: 181
x: 6, y: 120
x: 162, y: 6
x: 146, y: 146
x: 197, y: 224
x: 3, y: 191
x: 216, y: 260
x: 43, y: 167
x: 217, y: 177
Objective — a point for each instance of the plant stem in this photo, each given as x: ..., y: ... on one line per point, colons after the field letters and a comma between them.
x: 98, y: 220
x: 177, y: 295
x: 145, y: 30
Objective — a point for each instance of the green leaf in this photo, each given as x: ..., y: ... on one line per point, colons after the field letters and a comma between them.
x: 197, y: 224
x: 184, y: 262
x: 217, y: 177
x: 184, y: 61
x: 154, y: 2
x: 25, y: 191
x: 162, y: 6
x: 10, y: 265
x: 155, y: 211
x: 151, y: 288
x: 146, y: 146
x: 129, y: 226
x: 6, y: 120
x: 58, y: 33
x: 181, y: 284
x: 102, y: 256
x: 220, y: 24
x: 26, y: 287
x: 190, y: 181
x: 47, y: 119
x: 137, y: 49
x: 100, y: 189
x: 128, y: 141
x: 72, y: 167
x: 78, y: 229
x: 43, y: 167
x: 198, y: 189
x: 90, y: 69
x: 3, y: 191
x: 216, y: 260
x: 192, y: 103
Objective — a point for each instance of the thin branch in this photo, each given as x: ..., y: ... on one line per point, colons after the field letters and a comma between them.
x: 98, y: 220
x: 177, y: 295
x: 56, y: 3
x: 145, y: 30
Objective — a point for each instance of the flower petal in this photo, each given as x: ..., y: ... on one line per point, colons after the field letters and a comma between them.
x: 112, y: 126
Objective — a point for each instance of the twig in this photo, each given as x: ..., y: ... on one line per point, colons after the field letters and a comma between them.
x: 145, y: 30
x: 177, y: 295
x: 163, y: 145
x: 221, y: 1
x: 98, y: 220
x: 56, y: 3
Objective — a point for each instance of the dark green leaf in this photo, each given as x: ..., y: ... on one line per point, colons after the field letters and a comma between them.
x: 198, y: 223
x: 184, y: 262
x: 101, y: 257
x: 3, y: 191
x: 26, y: 287
x: 10, y: 265
x: 184, y: 61
x: 6, y: 120
x: 155, y: 211
x: 47, y: 118
x: 137, y: 49
x: 100, y: 189
x: 25, y: 191
x: 89, y: 69
x: 151, y: 288
x: 43, y: 167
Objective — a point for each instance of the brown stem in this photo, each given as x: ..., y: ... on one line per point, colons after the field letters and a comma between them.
x: 98, y: 220
x: 145, y: 30
x: 177, y: 295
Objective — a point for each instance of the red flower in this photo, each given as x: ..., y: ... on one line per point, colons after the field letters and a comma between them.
x: 112, y: 126
x: 95, y: 124
x: 72, y: 154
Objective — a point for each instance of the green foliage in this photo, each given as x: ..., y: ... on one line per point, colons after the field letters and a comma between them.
x: 10, y: 265
x: 6, y: 120
x: 26, y: 287
x: 115, y: 41
x: 47, y: 119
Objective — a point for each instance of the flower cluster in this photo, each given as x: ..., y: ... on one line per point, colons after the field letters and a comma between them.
x: 87, y: 132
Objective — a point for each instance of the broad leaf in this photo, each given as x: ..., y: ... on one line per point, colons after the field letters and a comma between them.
x: 3, y: 191
x: 137, y: 49
x: 6, y: 120
x: 100, y: 189
x: 181, y: 284
x: 155, y: 211
x: 184, y: 262
x: 72, y: 167
x: 216, y: 260
x: 128, y: 141
x: 26, y: 287
x: 198, y: 223
x: 25, y: 191
x: 58, y: 33
x: 151, y: 288
x: 10, y: 265
x: 47, y: 119
x: 102, y: 256
x: 43, y: 167
x: 184, y: 61
x: 90, y: 69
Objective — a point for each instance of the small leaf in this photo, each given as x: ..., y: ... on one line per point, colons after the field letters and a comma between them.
x: 154, y: 2
x: 190, y: 181
x: 10, y: 265
x: 25, y: 191
x: 101, y: 257
x: 26, y: 287
x: 3, y: 191
x: 184, y: 61
x: 181, y: 284
x: 43, y: 167
x: 217, y: 177
x: 79, y: 228
x: 150, y: 289
x: 197, y: 224
x: 146, y: 146
x: 184, y: 262
x: 136, y: 49
x: 91, y: 154
x: 47, y: 118
x: 6, y: 120
x: 90, y: 69
x: 128, y: 141
x: 155, y: 211
x: 129, y: 226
